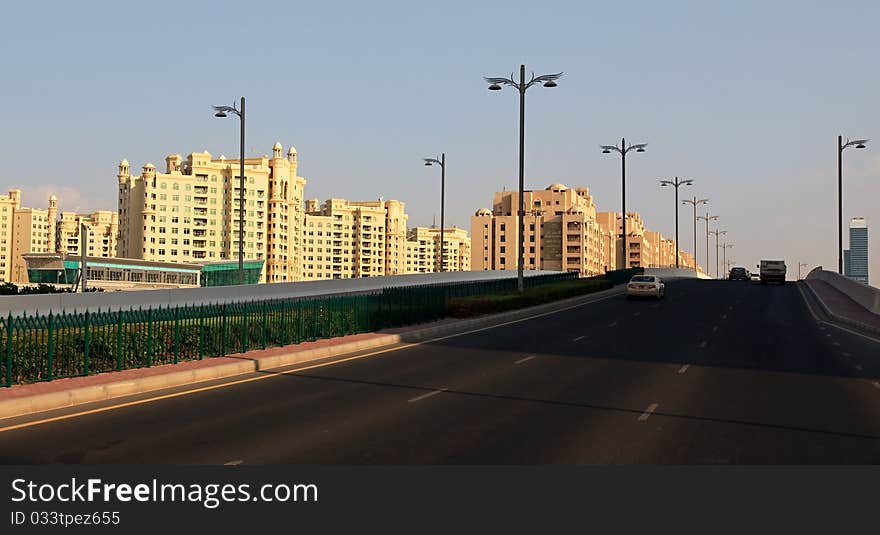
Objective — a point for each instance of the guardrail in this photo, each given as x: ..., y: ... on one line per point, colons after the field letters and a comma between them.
x: 43, y: 347
x: 866, y: 296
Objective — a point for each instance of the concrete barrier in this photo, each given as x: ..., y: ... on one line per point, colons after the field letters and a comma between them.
x: 672, y: 273
x: 111, y: 301
x: 867, y: 296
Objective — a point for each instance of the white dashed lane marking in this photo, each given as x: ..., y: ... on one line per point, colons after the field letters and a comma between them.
x: 704, y: 343
x: 612, y: 324
x: 578, y: 338
x: 425, y: 396
x: 683, y: 369
x: 647, y: 414
x: 520, y: 361
x: 233, y: 463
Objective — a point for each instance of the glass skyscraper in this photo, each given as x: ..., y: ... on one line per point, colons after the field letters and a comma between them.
x: 856, y: 258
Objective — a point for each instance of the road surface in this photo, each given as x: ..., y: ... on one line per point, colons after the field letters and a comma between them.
x: 718, y: 372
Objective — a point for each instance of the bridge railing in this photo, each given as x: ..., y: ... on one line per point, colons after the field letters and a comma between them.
x: 43, y: 347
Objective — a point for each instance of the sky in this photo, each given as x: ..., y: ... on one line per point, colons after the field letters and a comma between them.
x: 745, y: 98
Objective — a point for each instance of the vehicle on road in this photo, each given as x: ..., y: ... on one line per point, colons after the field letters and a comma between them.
x: 739, y: 274
x: 772, y: 271
x: 646, y: 286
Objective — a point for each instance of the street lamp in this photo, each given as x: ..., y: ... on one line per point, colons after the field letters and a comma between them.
x: 695, y: 201
x: 442, y: 163
x: 724, y: 248
x: 222, y: 111
x: 800, y: 265
x: 622, y: 150
x: 717, y: 233
x: 707, y: 218
x: 676, y: 183
x: 547, y: 80
x: 841, y: 146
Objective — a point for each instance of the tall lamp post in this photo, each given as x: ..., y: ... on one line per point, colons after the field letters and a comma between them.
x: 676, y: 183
x: 717, y: 234
x: 724, y: 248
x: 696, y: 202
x: 222, y: 111
x: 841, y: 146
x: 622, y: 150
x: 707, y: 218
x: 800, y: 265
x: 548, y: 80
x: 442, y: 163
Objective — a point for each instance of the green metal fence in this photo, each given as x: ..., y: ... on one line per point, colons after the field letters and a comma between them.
x: 52, y: 346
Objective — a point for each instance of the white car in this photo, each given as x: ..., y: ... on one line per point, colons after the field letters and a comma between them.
x: 645, y: 286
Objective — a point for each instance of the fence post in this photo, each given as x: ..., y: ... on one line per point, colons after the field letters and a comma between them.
x: 285, y: 308
x: 315, y: 309
x: 245, y: 333
x: 86, y: 344
x: 9, y: 329
x: 223, y: 330
x: 265, y: 326
x: 119, y: 339
x: 50, y: 347
x: 150, y: 337
x: 176, y: 333
x: 201, y: 331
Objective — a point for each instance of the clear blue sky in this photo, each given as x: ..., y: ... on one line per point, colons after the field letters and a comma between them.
x: 746, y: 98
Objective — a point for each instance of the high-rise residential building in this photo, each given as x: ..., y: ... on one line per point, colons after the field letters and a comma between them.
x: 23, y: 231
x: 191, y: 211
x: 102, y: 230
x: 345, y: 239
x: 423, y: 250
x: 856, y: 257
x: 561, y: 232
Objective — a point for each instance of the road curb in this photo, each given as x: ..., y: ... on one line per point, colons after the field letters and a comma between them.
x: 24, y: 405
x: 831, y: 317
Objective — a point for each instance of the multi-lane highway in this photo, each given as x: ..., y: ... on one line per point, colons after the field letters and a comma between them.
x: 718, y: 372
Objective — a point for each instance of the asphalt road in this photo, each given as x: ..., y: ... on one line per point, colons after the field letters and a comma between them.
x: 718, y: 372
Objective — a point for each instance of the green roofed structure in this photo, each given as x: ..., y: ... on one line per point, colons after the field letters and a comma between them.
x: 225, y: 272
x: 61, y: 269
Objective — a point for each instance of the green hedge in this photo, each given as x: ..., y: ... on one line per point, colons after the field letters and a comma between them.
x: 464, y: 307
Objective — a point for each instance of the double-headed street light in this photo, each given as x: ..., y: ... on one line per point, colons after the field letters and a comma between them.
x: 222, y: 111
x: 547, y: 80
x: 622, y: 150
x: 841, y: 146
x: 724, y: 248
x: 696, y: 202
x: 707, y: 218
x: 676, y: 183
x: 442, y: 163
x: 717, y: 233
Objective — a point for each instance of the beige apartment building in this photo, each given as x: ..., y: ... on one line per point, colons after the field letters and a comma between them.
x: 345, y: 239
x: 190, y: 213
x: 23, y: 231
x: 561, y: 232
x: 102, y: 230
x: 423, y: 250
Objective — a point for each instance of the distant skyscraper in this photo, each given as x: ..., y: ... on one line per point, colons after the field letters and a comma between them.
x: 857, y: 265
